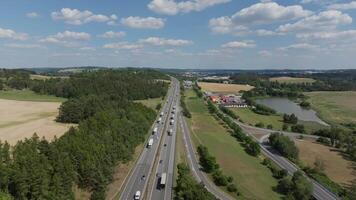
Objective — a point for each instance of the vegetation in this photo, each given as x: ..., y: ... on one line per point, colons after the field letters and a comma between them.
x: 298, y: 128
x: 28, y: 95
x: 290, y: 119
x: 187, y: 188
x: 185, y: 110
x: 284, y: 145
x: 305, y: 104
x: 291, y: 80
x: 298, y: 188
x: 263, y: 110
x: 110, y: 127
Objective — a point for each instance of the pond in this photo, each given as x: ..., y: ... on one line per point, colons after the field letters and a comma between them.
x: 284, y: 105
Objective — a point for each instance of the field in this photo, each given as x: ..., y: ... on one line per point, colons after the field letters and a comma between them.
x: 39, y: 77
x: 224, y: 88
x: 251, y: 118
x: 334, y: 107
x: 151, y: 103
x: 253, y: 180
x: 21, y: 119
x: 337, y: 168
x: 286, y: 79
x: 28, y: 95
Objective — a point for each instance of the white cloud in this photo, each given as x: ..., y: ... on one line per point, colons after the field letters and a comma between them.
x: 66, y: 38
x: 239, y: 44
x: 165, y: 42
x: 172, y: 7
x: 11, y: 34
x: 304, y: 46
x: 320, y: 2
x: 343, y: 6
x: 260, y: 13
x: 143, y: 23
x: 77, y: 17
x: 123, y: 46
x: 32, y: 15
x: 327, y: 35
x: 112, y: 34
x: 23, y: 46
x: 325, y: 20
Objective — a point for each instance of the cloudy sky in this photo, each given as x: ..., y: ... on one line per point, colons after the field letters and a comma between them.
x: 230, y: 34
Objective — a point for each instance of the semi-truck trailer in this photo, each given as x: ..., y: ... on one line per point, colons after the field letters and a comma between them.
x: 150, y: 143
x: 159, y: 120
x: 154, y: 130
x: 162, y: 182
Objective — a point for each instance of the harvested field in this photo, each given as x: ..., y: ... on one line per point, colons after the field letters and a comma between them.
x: 286, y: 79
x: 21, y: 119
x: 337, y: 168
x: 224, y: 88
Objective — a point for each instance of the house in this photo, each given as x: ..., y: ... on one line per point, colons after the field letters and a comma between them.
x: 214, y: 98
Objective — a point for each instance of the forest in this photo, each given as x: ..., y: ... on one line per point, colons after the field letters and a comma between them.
x: 111, y: 125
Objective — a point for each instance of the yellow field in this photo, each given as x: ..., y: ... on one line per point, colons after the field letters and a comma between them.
x: 21, y: 119
x: 224, y: 88
x: 337, y: 168
x: 286, y: 79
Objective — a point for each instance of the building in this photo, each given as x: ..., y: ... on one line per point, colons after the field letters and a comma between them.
x: 187, y: 84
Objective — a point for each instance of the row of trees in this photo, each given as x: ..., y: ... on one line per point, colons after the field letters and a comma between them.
x: 185, y: 109
x: 110, y: 127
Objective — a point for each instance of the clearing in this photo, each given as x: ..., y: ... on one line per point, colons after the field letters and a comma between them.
x: 224, y: 88
x: 287, y: 79
x: 337, y: 168
x: 151, y: 103
x: 253, y: 180
x: 28, y: 95
x: 334, y: 107
x: 21, y: 119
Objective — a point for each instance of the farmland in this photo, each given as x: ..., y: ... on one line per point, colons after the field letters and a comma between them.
x: 253, y: 180
x: 224, y: 88
x: 337, y: 168
x: 21, y: 119
x: 334, y: 107
x: 285, y: 79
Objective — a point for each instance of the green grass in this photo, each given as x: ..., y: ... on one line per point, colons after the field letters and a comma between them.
x: 292, y: 80
x: 253, y: 180
x: 28, y: 95
x: 252, y: 118
x: 334, y: 107
x: 151, y: 103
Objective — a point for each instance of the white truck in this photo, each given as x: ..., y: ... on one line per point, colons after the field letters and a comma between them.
x: 161, y: 114
x: 170, y: 132
x: 159, y: 120
x: 172, y: 122
x: 154, y: 130
x: 172, y: 116
x: 137, y: 195
x: 150, y: 143
x: 162, y: 182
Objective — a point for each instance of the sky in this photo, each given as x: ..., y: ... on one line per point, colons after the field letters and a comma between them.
x: 208, y: 34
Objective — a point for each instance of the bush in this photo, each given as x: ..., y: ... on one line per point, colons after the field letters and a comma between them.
x: 232, y: 188
x: 219, y: 178
x: 291, y: 119
x: 260, y: 125
x: 270, y: 126
x: 298, y: 128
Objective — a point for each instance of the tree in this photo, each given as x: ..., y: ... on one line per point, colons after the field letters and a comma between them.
x: 285, y: 127
x: 298, y: 128
x: 283, y: 145
x: 291, y: 119
x: 158, y: 106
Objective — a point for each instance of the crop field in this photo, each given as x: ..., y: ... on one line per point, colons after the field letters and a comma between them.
x: 224, y: 88
x: 21, y: 119
x: 286, y: 79
x: 334, y: 107
x: 28, y: 95
x: 253, y: 180
x: 337, y: 168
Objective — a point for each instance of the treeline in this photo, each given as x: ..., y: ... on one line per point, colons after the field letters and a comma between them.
x: 15, y: 78
x: 209, y: 165
x: 110, y: 127
x: 185, y: 110
x: 187, y: 188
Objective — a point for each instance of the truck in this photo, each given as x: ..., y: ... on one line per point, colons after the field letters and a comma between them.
x: 170, y: 132
x: 154, y: 130
x: 161, y: 114
x: 137, y: 195
x: 150, y: 143
x: 172, y: 122
x: 162, y: 182
x: 159, y: 120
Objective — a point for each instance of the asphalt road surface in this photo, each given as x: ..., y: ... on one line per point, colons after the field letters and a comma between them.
x: 165, y: 162
x: 138, y: 179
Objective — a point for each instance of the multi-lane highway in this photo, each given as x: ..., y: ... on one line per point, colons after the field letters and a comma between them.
x: 140, y: 175
x: 165, y: 164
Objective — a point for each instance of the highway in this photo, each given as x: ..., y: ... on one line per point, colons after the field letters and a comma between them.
x: 165, y: 162
x: 194, y: 163
x: 319, y: 192
x: 139, y: 176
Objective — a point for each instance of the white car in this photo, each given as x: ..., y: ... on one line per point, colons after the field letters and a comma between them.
x: 137, y: 195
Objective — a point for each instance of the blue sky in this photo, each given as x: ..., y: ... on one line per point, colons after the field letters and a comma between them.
x: 230, y: 34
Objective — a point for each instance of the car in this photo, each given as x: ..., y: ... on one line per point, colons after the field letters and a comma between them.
x: 160, y: 161
x: 143, y: 177
x: 137, y: 195
x: 165, y: 145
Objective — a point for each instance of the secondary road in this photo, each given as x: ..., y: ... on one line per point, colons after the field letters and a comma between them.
x: 194, y: 164
x: 319, y: 192
x: 138, y: 179
x: 166, y: 159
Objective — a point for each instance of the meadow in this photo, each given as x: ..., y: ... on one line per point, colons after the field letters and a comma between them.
x: 224, y: 88
x: 253, y: 180
x: 294, y: 80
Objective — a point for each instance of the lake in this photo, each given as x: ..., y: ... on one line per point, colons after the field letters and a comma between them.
x: 284, y: 105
